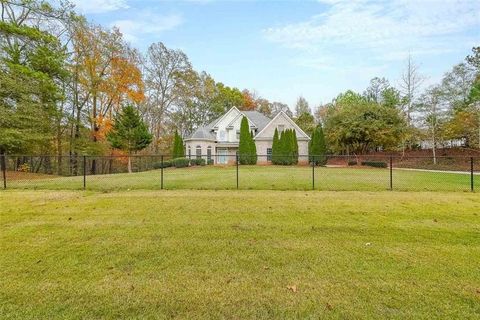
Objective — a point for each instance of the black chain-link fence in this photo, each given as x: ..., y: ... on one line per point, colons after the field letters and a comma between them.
x: 215, y: 172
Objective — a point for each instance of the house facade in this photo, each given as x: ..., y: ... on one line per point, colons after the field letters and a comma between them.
x: 218, y: 141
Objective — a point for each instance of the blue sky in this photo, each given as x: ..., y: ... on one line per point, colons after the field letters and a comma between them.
x: 283, y: 49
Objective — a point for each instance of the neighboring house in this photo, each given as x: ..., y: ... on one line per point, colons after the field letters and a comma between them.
x: 218, y: 141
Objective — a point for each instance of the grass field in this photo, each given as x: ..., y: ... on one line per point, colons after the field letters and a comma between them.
x: 260, y: 178
x: 238, y: 255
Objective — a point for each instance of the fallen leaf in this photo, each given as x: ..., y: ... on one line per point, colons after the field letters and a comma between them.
x: 329, y: 306
x: 368, y: 244
x: 292, y: 288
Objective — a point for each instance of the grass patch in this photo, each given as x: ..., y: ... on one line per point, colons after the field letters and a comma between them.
x: 259, y: 178
x: 245, y: 254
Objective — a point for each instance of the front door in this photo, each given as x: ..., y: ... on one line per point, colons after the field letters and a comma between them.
x: 222, y: 156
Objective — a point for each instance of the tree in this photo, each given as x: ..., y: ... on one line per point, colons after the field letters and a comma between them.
x: 275, y: 146
x: 376, y: 89
x: 178, y: 147
x: 246, y: 147
x: 411, y: 81
x: 277, y: 107
x: 433, y: 116
x: 354, y: 124
x: 302, y: 107
x: 317, y: 147
x: 165, y: 73
x: 32, y: 68
x: 306, y: 122
x: 249, y: 101
x: 129, y: 133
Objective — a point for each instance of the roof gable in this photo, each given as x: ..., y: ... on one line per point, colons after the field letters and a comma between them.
x: 281, y: 119
x: 226, y: 118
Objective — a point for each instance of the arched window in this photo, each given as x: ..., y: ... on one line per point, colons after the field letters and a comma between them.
x: 189, y: 152
x: 198, y: 152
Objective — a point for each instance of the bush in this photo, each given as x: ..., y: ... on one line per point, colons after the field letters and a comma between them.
x: 210, y: 162
x: 376, y: 164
x: 181, y: 162
x: 166, y: 164
x: 197, y: 162
x: 352, y: 163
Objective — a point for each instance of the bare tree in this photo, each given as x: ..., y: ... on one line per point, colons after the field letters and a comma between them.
x: 165, y: 71
x: 431, y: 107
x: 410, y: 83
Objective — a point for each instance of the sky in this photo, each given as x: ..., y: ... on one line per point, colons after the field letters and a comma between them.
x: 284, y: 49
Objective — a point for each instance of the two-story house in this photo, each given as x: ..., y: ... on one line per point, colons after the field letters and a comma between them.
x: 218, y: 141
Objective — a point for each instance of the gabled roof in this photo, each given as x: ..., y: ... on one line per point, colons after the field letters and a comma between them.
x: 294, y: 125
x: 203, y: 133
x: 256, y: 118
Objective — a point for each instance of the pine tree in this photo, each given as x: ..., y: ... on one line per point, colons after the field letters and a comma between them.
x: 246, y: 148
x: 178, y: 148
x: 295, y: 147
x: 275, y: 147
x: 129, y: 133
x: 322, y: 146
x: 281, y: 148
x: 317, y: 147
x: 311, y: 143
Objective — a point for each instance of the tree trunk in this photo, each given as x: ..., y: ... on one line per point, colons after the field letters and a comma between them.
x: 434, y: 151
x: 129, y: 163
x: 95, y: 131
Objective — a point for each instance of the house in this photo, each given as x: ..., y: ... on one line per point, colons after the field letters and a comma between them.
x: 218, y: 141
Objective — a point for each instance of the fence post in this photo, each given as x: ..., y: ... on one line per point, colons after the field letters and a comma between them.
x: 161, y: 174
x: 471, y: 174
x: 84, y: 172
x: 3, y: 163
x: 236, y: 164
x: 313, y: 172
x: 391, y: 173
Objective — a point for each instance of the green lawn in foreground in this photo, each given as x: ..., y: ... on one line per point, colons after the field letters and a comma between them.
x: 234, y: 254
x: 262, y: 178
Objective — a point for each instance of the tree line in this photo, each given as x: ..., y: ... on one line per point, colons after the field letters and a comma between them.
x: 64, y: 81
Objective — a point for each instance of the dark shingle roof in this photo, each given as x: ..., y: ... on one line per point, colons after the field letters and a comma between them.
x: 205, y: 132
x: 258, y: 118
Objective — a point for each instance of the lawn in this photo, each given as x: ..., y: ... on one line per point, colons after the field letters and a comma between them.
x: 239, y: 255
x: 259, y: 178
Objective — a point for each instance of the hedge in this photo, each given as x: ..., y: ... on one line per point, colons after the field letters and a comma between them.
x: 376, y: 164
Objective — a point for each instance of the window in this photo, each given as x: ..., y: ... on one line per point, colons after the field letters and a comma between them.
x: 189, y: 152
x: 222, y: 135
x: 269, y: 154
x: 209, y: 153
x: 238, y: 134
x: 280, y: 127
x: 198, y: 152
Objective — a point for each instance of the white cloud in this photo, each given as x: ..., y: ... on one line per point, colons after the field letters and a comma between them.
x: 147, y: 23
x: 99, y: 6
x: 385, y: 30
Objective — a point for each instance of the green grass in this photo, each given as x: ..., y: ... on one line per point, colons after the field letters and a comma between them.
x: 261, y: 178
x: 233, y: 254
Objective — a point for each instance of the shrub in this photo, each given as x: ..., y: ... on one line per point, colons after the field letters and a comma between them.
x: 181, y: 162
x: 352, y: 163
x: 376, y: 164
x: 210, y: 162
x: 166, y: 164
x: 197, y: 162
